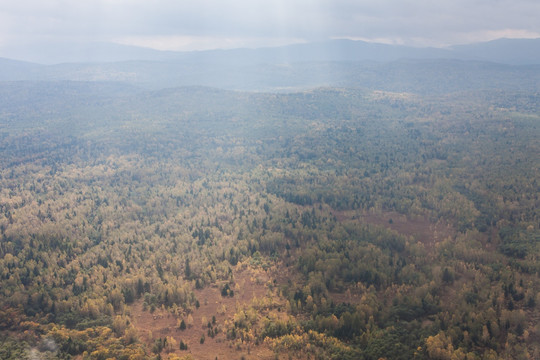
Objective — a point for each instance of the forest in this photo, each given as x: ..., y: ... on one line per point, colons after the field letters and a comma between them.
x: 325, y: 223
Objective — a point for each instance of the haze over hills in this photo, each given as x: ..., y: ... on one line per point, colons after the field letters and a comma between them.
x: 507, y: 64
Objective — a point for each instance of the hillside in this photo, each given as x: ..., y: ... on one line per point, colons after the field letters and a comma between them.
x: 334, y: 222
x: 413, y: 76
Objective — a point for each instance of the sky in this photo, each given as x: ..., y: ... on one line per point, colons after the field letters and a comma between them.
x: 182, y: 25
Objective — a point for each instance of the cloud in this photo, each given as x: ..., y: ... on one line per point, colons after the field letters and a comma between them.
x: 187, y: 25
x: 436, y: 23
x: 194, y: 43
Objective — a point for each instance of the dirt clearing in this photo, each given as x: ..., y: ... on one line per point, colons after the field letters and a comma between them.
x: 250, y: 284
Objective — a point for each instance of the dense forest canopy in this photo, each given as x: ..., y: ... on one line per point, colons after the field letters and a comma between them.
x: 335, y: 222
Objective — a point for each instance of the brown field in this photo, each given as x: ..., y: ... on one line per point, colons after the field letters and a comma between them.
x: 251, y: 284
x: 420, y: 228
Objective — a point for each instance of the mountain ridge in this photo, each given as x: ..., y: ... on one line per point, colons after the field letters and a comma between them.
x: 508, y: 51
x: 339, y: 63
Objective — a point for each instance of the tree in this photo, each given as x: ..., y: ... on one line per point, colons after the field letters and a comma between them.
x: 447, y: 276
x: 187, y: 269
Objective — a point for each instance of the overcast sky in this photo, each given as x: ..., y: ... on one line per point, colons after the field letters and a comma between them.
x: 206, y: 24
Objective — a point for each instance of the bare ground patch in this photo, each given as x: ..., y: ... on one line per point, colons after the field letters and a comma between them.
x: 420, y: 228
x: 251, y: 284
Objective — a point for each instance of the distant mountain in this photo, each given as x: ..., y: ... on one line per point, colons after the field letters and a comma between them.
x: 506, y: 51
x: 11, y: 70
x: 333, y: 50
x: 502, y: 64
x: 91, y: 52
x: 407, y: 75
